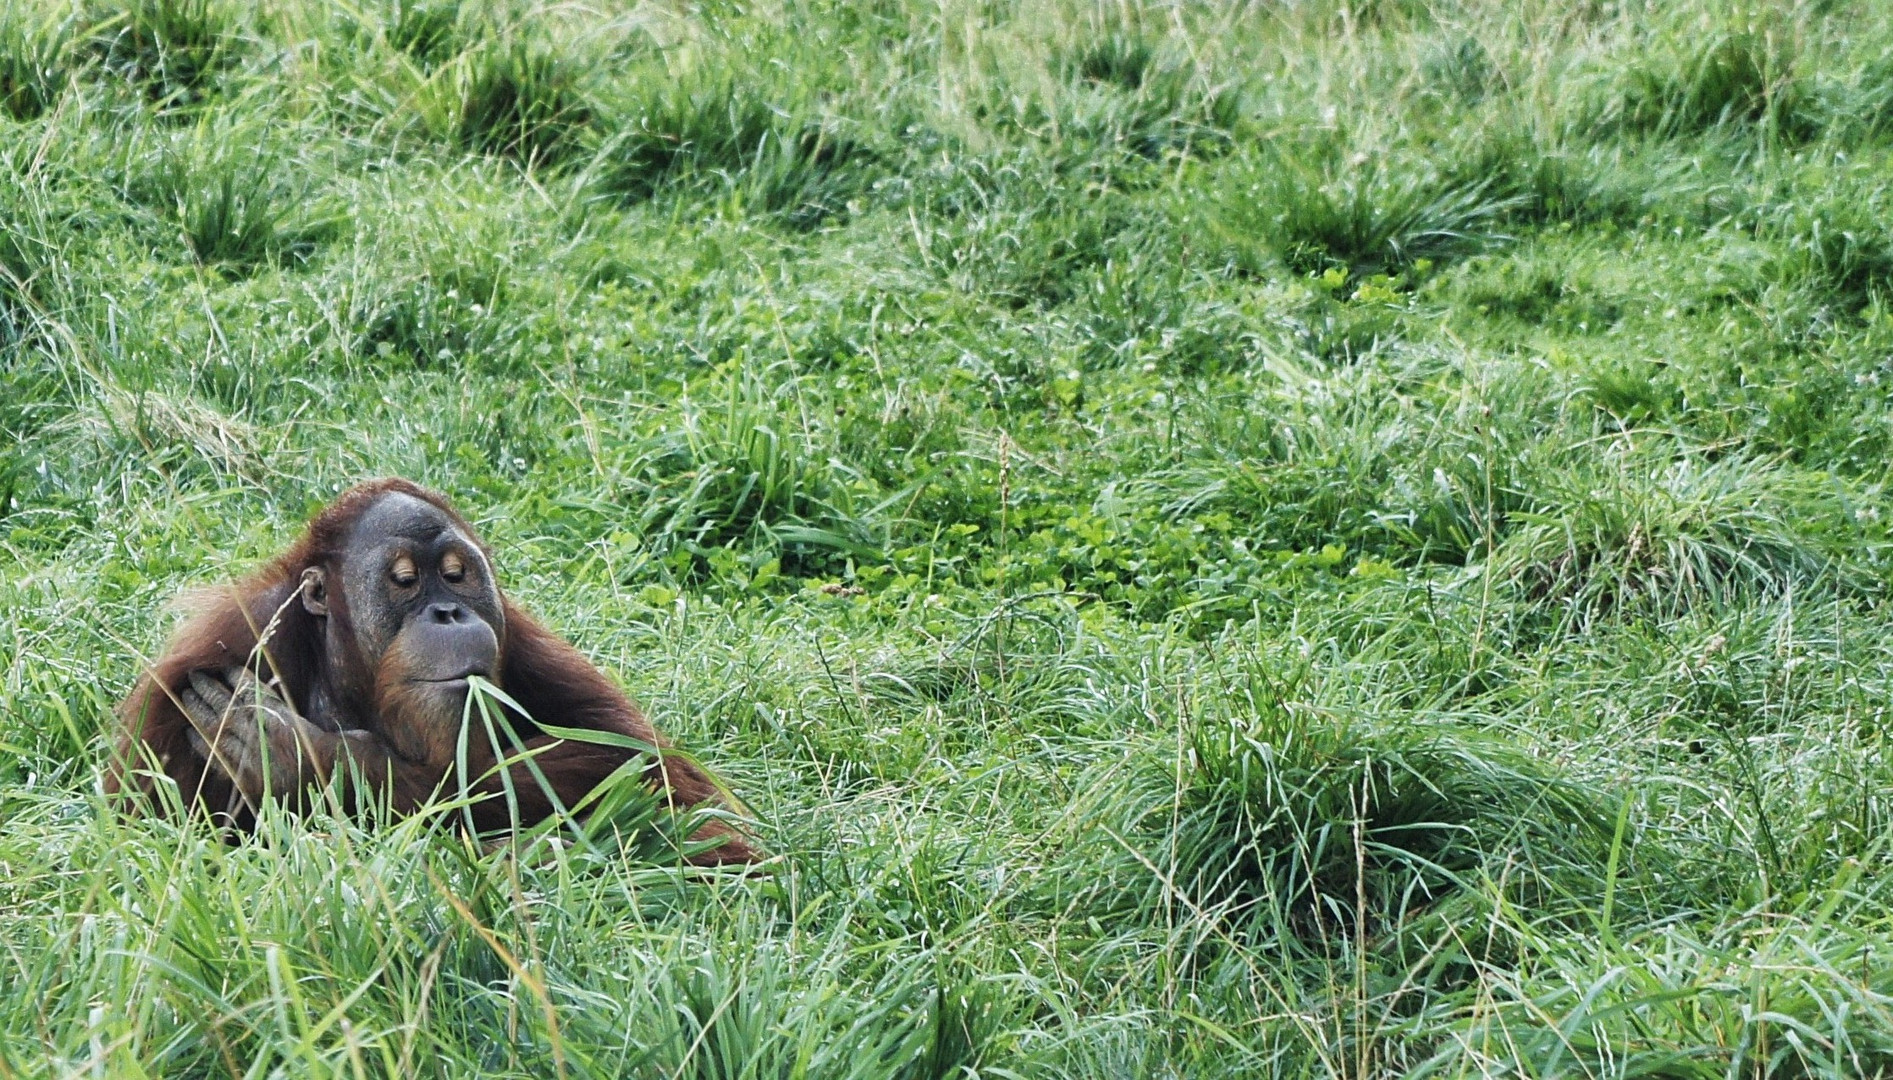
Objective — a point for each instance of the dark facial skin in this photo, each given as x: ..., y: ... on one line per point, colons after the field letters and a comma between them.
x: 415, y: 607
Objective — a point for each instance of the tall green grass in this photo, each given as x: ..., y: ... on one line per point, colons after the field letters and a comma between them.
x: 1334, y: 539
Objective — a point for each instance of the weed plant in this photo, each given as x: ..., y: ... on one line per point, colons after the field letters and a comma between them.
x: 1330, y: 539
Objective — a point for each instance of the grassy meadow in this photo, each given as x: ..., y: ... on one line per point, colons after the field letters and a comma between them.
x: 1331, y: 538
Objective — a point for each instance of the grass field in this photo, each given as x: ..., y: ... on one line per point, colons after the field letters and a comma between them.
x: 1312, y: 539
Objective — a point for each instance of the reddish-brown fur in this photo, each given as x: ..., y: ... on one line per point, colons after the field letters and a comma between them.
x: 544, y: 674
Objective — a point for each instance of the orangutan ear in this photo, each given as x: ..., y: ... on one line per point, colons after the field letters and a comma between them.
x: 315, y: 591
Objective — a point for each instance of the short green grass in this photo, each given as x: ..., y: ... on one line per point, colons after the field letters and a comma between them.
x: 1310, y: 540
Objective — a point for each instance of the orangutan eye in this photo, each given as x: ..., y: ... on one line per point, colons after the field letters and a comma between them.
x: 452, y: 567
x: 402, y: 572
